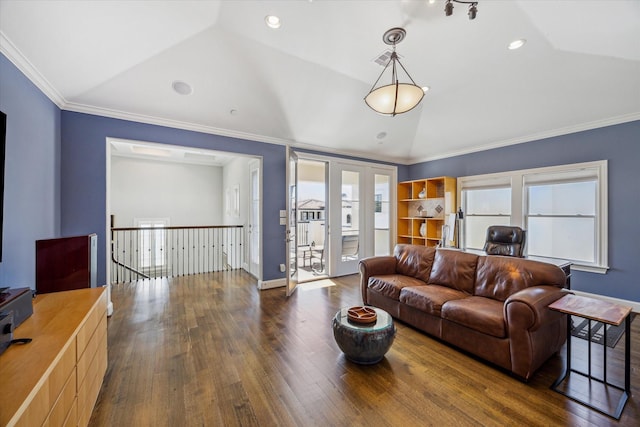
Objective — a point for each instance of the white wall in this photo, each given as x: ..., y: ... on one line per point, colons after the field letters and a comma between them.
x: 186, y: 194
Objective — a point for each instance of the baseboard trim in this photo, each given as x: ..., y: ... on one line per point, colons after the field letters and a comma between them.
x: 635, y: 306
x: 271, y: 284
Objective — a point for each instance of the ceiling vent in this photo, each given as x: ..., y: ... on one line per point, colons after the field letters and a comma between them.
x: 384, y: 58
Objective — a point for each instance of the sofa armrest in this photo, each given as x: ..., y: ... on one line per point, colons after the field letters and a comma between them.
x: 527, y: 309
x: 535, y: 331
x: 374, y: 266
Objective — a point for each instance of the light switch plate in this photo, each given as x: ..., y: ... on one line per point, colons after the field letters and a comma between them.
x: 283, y: 221
x: 283, y: 213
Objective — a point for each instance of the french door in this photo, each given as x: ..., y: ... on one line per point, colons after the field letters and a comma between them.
x: 291, y: 238
x: 347, y: 233
x: 361, y: 214
x: 359, y: 218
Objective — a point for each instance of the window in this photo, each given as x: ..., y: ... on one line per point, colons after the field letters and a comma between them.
x: 152, y: 243
x: 563, y: 209
x: 562, y: 215
x: 485, y: 207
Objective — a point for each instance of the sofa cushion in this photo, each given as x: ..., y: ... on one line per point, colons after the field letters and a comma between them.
x: 429, y: 298
x: 454, y: 269
x: 390, y: 285
x: 481, y: 314
x: 498, y: 277
x: 414, y: 260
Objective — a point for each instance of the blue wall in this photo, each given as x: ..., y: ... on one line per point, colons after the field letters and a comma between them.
x: 83, y: 177
x: 620, y: 145
x: 31, y: 194
x: 55, y: 181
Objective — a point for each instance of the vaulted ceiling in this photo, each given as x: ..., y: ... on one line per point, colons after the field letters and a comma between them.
x: 304, y: 83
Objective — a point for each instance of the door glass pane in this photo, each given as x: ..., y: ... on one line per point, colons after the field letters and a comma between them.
x: 350, y: 215
x: 382, y: 216
x: 312, y: 251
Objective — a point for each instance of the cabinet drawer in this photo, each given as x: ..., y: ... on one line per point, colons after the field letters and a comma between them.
x: 72, y: 416
x: 60, y: 374
x: 60, y: 411
x: 39, y: 407
x: 88, y: 354
x: 86, y: 331
x: 90, y: 388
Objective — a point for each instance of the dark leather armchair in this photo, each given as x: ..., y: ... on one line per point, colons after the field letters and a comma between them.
x: 505, y: 240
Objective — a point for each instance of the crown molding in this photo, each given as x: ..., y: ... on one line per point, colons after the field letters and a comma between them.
x: 13, y: 54
x: 141, y: 118
x: 177, y: 124
x: 625, y: 118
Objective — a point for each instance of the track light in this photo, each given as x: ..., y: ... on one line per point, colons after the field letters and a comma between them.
x: 473, y: 8
x: 473, y: 11
x: 448, y: 8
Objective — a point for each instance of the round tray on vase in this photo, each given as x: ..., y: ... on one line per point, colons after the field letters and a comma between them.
x: 361, y: 315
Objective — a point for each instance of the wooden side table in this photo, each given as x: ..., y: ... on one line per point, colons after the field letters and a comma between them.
x: 608, y: 313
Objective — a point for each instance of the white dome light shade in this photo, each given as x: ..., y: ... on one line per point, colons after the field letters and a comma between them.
x: 394, y: 98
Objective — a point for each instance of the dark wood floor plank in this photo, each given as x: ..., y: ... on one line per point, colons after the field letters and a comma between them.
x: 212, y: 350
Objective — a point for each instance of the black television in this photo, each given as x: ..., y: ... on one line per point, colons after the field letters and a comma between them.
x: 3, y: 140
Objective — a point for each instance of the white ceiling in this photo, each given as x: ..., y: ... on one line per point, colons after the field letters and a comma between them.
x: 304, y: 83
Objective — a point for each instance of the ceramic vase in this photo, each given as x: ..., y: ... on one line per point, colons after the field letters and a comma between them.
x: 423, y: 229
x: 422, y: 194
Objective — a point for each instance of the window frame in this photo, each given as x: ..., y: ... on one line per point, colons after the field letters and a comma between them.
x: 519, y: 180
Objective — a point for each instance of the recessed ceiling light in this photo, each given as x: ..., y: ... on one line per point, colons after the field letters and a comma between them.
x: 272, y: 21
x: 381, y: 135
x: 517, y: 44
x: 182, y: 88
x: 233, y: 112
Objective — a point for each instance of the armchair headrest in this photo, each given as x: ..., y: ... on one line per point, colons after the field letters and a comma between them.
x: 505, y: 240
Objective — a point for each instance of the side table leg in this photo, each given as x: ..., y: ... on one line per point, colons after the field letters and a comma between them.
x: 627, y: 355
x: 569, y: 322
x: 567, y: 364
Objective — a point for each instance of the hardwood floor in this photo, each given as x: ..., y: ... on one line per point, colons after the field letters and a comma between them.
x: 212, y: 350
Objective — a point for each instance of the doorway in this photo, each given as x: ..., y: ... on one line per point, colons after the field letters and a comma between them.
x: 338, y: 213
x: 311, y: 250
x: 151, y: 180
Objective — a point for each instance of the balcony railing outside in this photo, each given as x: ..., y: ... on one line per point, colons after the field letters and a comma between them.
x: 139, y: 253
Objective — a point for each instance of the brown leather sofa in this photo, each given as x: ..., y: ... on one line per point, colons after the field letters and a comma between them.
x: 492, y: 306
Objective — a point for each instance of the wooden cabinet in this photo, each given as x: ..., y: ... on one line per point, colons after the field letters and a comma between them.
x: 425, y: 204
x: 55, y: 379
